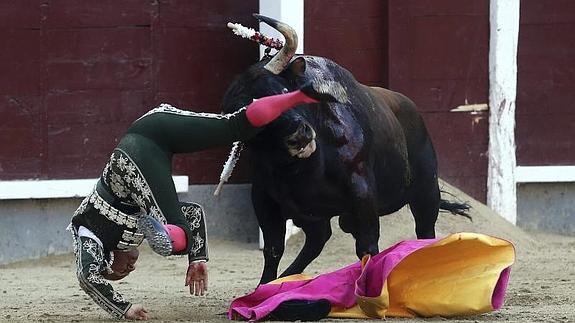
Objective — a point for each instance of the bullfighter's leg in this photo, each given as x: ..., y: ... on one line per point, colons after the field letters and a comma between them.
x: 264, y: 110
x: 180, y: 131
x: 317, y: 233
x: 140, y: 172
x: 273, y: 229
x: 151, y: 141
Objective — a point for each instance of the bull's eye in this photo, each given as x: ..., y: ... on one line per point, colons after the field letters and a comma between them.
x: 285, y: 90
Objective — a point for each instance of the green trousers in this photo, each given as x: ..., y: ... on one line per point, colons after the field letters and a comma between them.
x: 138, y: 176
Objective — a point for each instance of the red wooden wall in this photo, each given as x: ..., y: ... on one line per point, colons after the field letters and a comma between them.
x: 75, y: 74
x: 438, y: 56
x: 545, y: 128
x: 351, y: 33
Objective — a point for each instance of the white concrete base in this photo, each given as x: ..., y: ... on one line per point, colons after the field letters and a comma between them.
x: 544, y: 174
x: 36, y: 227
x: 61, y: 188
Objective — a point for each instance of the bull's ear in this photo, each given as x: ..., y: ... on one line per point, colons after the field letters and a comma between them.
x: 297, y: 66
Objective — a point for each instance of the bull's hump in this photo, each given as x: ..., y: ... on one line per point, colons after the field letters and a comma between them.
x: 388, y: 97
x: 320, y: 67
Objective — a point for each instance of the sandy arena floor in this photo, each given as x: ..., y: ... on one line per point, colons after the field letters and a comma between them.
x: 541, y: 288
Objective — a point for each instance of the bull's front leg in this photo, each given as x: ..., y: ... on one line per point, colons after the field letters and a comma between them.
x: 273, y: 228
x: 317, y: 233
x: 364, y: 214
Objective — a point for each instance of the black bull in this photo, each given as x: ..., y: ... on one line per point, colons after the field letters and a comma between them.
x: 373, y: 155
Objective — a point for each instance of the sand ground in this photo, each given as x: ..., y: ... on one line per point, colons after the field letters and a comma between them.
x: 541, y: 288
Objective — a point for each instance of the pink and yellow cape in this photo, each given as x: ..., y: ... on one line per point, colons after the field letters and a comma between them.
x: 462, y: 274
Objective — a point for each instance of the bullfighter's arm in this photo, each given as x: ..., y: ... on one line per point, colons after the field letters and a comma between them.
x: 196, y: 218
x: 89, y: 266
x: 197, y: 274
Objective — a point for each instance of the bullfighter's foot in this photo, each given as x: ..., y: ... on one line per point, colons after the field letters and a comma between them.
x: 326, y: 91
x: 301, y: 310
x: 158, y: 237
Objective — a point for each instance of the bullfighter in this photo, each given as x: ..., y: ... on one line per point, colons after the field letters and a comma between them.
x: 135, y: 198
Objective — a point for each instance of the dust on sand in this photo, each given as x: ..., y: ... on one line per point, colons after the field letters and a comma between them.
x: 540, y: 288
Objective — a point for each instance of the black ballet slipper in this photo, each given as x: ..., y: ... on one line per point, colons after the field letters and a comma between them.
x: 156, y: 235
x: 301, y: 310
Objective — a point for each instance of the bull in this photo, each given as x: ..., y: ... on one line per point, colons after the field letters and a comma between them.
x: 357, y: 160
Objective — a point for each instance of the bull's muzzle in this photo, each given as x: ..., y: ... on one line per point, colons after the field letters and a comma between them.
x: 302, y: 143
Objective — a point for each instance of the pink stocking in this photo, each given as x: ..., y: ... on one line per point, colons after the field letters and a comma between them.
x: 267, y: 109
x: 178, y: 237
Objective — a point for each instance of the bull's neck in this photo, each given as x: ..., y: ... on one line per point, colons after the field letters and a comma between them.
x: 299, y: 166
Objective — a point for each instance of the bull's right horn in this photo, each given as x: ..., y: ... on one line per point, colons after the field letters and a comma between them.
x: 280, y: 61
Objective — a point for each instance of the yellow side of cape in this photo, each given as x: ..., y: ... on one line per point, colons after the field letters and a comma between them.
x: 451, y: 277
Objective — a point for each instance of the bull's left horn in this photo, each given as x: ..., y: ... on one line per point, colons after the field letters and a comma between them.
x: 280, y: 61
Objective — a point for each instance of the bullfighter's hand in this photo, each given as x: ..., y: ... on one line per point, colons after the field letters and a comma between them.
x: 197, y: 278
x: 136, y: 312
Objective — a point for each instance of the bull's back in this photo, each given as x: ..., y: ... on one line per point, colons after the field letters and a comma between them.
x: 405, y: 111
x: 398, y: 103
x: 421, y: 156
x: 383, y: 116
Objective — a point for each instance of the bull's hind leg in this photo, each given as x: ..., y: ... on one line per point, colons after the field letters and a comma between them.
x: 424, y: 208
x: 317, y: 233
x: 425, y: 195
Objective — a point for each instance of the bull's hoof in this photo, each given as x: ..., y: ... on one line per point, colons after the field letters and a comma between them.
x: 301, y: 310
x: 325, y: 91
x: 156, y: 234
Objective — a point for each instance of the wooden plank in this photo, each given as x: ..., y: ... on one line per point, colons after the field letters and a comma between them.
x: 98, y: 106
x: 98, y: 44
x: 546, y: 83
x: 445, y: 7
x: 545, y: 140
x: 20, y: 14
x: 103, y: 13
x: 438, y: 57
x: 547, y: 12
x: 80, y: 74
x: 74, y: 76
x: 20, y: 61
x: 21, y: 136
x: 351, y: 33
x: 212, y: 15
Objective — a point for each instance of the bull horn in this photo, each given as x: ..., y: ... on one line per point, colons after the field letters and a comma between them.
x: 279, y: 62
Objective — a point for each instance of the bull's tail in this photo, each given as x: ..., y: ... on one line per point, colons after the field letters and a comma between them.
x: 455, y: 208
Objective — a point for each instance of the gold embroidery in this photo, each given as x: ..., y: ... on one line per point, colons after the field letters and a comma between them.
x: 111, y: 213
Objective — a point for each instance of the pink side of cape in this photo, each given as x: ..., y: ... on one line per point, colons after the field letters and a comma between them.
x: 339, y: 287
x: 342, y: 286
x: 499, y: 292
